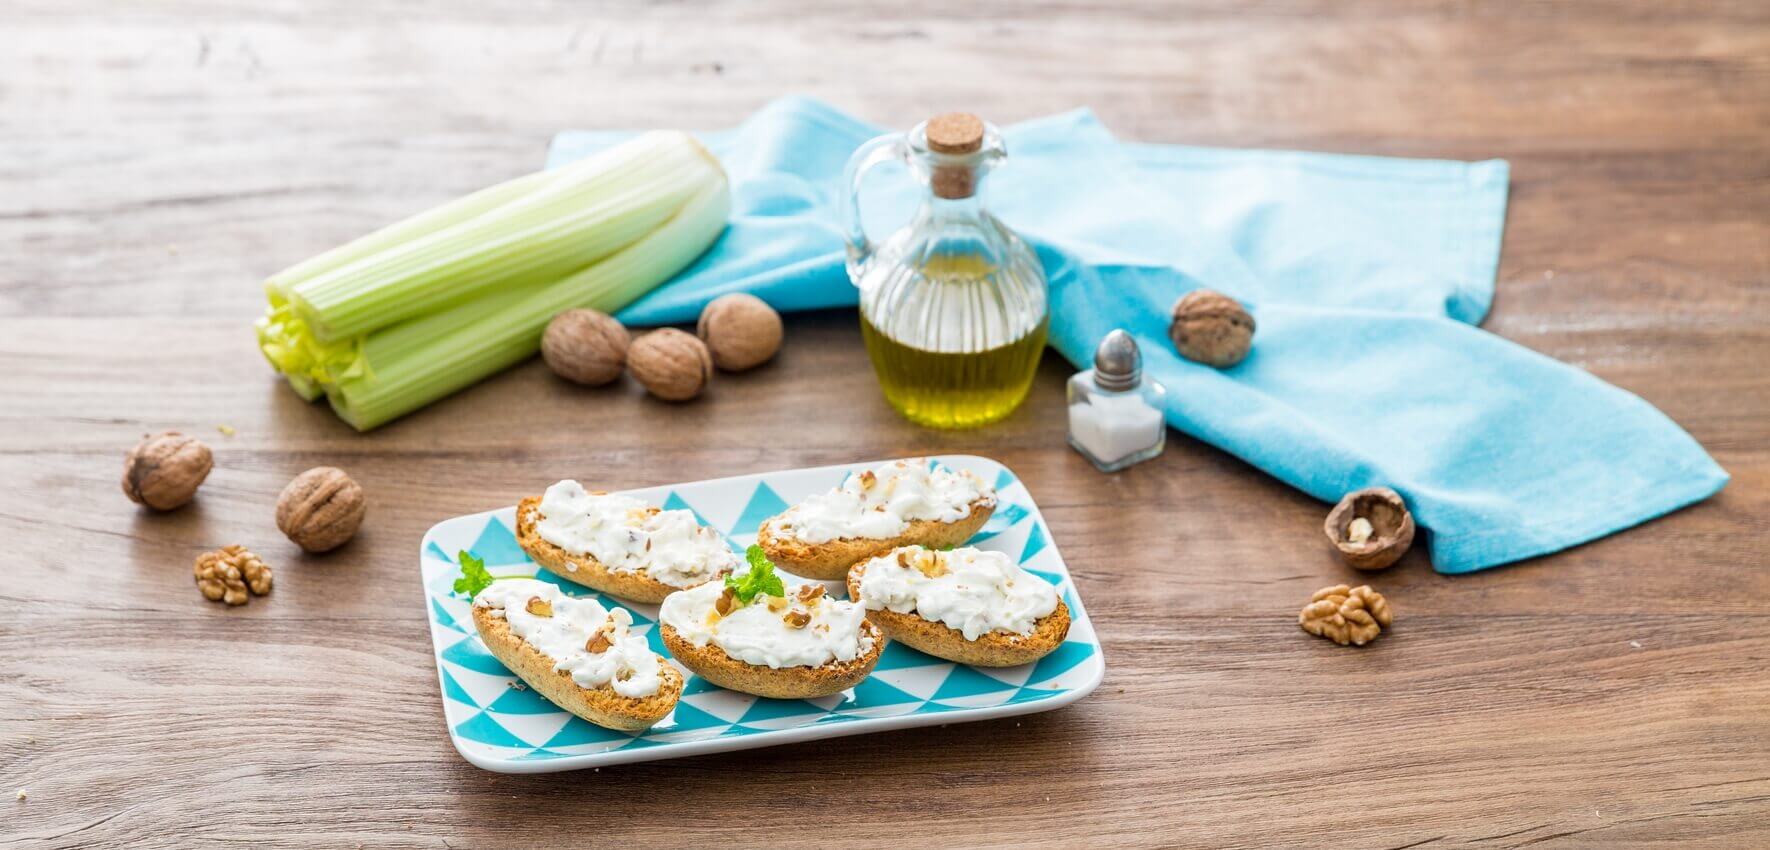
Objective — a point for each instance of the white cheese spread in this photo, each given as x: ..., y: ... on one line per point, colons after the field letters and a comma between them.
x: 970, y: 590
x: 565, y: 629
x: 882, y: 502
x: 763, y: 632
x: 627, y: 535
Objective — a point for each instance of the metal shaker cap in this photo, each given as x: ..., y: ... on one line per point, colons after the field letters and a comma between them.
x: 1118, y: 365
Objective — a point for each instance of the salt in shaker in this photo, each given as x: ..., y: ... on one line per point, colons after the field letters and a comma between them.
x: 1115, y: 414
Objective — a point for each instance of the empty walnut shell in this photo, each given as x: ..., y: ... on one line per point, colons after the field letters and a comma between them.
x: 1390, y: 533
x: 321, y: 509
x: 1210, y: 327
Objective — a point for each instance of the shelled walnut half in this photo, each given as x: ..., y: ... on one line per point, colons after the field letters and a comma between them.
x: 1346, y: 615
x: 229, y: 573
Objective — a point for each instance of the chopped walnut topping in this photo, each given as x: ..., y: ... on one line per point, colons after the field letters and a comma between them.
x: 797, y: 619
x: 931, y: 564
x: 777, y: 603
x: 598, y: 642
x: 868, y: 479
x: 540, y: 607
x: 726, y: 602
x: 809, y: 592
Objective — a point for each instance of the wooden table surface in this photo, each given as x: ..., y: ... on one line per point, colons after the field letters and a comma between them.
x: 156, y: 163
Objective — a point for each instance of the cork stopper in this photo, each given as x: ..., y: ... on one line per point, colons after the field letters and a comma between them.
x: 955, y: 132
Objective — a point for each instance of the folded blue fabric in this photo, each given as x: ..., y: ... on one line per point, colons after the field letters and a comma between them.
x: 1365, y: 276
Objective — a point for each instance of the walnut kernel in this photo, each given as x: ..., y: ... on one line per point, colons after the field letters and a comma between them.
x: 321, y: 509
x: 741, y: 331
x: 588, y: 347
x: 673, y: 365
x: 1346, y: 615
x: 797, y: 619
x: 253, y: 569
x: 1212, y: 328
x: 219, y: 579
x: 164, y: 470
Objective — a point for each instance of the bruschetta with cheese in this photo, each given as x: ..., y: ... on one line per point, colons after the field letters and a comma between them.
x: 967, y: 605
x: 581, y: 656
x: 755, y: 634
x: 618, y: 544
x: 901, y: 503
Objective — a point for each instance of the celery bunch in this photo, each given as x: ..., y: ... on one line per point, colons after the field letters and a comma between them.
x: 415, y: 311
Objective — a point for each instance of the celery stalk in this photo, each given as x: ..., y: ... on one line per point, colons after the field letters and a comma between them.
x: 404, y: 367
x: 555, y: 227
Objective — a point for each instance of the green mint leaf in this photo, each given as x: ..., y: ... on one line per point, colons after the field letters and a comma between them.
x: 760, y: 578
x: 474, y: 576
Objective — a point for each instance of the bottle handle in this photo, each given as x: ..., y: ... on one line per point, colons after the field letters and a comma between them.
x: 874, y: 152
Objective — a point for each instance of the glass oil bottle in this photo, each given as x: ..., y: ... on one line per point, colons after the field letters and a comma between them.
x: 953, y: 304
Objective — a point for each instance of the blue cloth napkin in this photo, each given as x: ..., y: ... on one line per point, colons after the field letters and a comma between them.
x: 1366, y: 277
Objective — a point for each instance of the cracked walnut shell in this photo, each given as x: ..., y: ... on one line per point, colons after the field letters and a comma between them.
x: 164, y: 470
x: 1371, y: 527
x: 1346, y: 615
x: 1210, y: 327
x: 673, y: 365
x: 321, y: 509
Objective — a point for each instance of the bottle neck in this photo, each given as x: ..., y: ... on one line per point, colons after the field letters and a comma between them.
x: 939, y: 209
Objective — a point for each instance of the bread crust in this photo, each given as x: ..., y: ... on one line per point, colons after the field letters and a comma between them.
x: 599, y: 705
x: 993, y: 649
x: 711, y: 663
x: 830, y: 561
x: 585, y: 569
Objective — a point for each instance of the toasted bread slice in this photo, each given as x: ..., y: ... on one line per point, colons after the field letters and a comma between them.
x: 830, y: 561
x: 599, y: 705
x: 584, y: 569
x: 711, y: 663
x: 993, y: 649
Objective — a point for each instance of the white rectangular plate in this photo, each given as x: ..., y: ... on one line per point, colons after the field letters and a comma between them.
x: 498, y: 724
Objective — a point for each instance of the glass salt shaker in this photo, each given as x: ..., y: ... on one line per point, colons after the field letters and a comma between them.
x: 1115, y: 415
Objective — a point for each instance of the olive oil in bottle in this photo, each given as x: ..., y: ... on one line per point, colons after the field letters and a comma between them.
x: 953, y: 305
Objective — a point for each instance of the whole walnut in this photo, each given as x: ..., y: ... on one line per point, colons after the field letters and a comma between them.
x: 740, y: 330
x: 164, y: 470
x: 321, y: 509
x: 673, y: 365
x: 1212, y: 328
x: 585, y: 346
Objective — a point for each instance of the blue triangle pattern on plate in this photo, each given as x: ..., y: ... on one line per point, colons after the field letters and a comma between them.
x: 471, y: 654
x: 522, y: 700
x: 999, y: 522
x: 897, y: 656
x: 579, y: 731
x: 453, y: 690
x: 497, y: 545
x: 1035, y: 542
x: 774, y: 709
x: 1053, y: 579
x: 873, y: 693
x: 541, y: 753
x: 687, y: 717
x: 483, y: 729
x: 437, y: 552
x: 1004, y: 479
x: 763, y: 504
x: 698, y: 685
x: 655, y: 639
x: 1032, y: 695
x: 966, y: 682
x: 443, y: 617
x: 1057, y: 663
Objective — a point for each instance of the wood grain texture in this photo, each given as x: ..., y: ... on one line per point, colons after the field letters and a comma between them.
x: 156, y: 161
